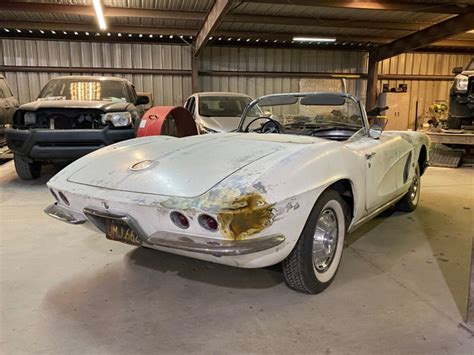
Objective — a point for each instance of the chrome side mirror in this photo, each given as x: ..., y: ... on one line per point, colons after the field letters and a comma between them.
x: 375, y: 132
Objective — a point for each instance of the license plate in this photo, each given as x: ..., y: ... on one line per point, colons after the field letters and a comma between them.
x: 121, y: 232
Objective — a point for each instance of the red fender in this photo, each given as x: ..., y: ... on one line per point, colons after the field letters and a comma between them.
x: 168, y: 121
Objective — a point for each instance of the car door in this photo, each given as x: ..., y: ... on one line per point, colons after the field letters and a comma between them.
x: 381, y: 159
x: 8, y: 103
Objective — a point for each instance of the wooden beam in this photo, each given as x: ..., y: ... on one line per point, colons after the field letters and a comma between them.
x: 194, y: 74
x: 428, y: 36
x: 84, y: 10
x: 324, y: 22
x: 167, y: 31
x: 371, y: 96
x: 91, y: 27
x: 109, y: 11
x: 438, y: 8
x: 213, y: 19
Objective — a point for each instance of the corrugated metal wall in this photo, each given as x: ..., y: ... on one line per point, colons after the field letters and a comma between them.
x: 424, y: 91
x: 166, y: 89
x: 173, y: 89
x: 243, y: 59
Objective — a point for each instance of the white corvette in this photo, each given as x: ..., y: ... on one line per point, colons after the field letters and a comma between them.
x: 286, y: 187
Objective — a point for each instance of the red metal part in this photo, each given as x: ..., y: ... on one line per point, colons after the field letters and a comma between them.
x: 167, y: 120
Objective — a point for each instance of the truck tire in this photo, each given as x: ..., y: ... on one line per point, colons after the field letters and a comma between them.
x: 25, y: 170
x: 314, y: 261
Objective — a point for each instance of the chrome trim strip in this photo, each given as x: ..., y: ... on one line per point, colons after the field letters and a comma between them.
x: 374, y: 213
x: 64, y: 214
x: 191, y: 243
x: 216, y: 247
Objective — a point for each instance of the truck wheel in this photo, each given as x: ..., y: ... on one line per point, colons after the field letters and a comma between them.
x: 313, y: 263
x: 409, y: 202
x: 454, y: 123
x: 25, y: 170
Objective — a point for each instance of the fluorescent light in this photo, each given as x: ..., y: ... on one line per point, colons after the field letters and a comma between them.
x: 313, y: 39
x: 99, y: 12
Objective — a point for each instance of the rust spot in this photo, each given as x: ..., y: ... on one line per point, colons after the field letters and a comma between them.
x: 246, y: 215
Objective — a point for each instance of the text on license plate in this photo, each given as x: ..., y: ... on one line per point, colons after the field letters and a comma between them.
x: 121, y: 232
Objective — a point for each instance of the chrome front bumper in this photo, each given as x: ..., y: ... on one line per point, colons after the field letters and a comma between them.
x: 190, y: 243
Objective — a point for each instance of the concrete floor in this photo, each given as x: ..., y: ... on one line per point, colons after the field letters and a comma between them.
x: 401, y: 287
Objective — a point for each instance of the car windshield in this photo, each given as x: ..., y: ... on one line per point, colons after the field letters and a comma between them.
x: 225, y: 106
x: 306, y: 114
x: 85, y: 90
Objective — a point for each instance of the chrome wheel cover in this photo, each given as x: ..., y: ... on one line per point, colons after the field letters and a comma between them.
x: 325, y: 240
x: 415, y: 186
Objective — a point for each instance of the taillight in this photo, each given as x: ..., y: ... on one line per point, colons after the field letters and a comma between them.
x: 208, y: 222
x: 179, y: 220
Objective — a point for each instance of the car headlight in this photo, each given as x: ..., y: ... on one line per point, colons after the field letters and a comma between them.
x: 461, y: 84
x: 29, y: 118
x: 118, y: 119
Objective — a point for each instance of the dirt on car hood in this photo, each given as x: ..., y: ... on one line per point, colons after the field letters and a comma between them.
x: 181, y: 167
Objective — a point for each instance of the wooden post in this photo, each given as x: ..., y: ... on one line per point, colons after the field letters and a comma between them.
x: 194, y: 73
x: 371, y: 96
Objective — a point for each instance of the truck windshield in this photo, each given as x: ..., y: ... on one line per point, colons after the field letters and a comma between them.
x: 85, y: 90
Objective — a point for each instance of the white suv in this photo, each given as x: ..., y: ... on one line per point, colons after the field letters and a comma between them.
x: 217, y: 112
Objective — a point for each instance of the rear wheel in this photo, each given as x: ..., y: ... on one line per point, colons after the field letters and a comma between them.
x: 313, y: 263
x: 25, y: 170
x: 409, y: 202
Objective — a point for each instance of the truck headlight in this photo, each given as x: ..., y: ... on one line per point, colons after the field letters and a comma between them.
x: 29, y: 118
x: 118, y: 119
x: 461, y: 84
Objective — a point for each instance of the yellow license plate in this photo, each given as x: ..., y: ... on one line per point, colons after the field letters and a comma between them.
x: 121, y: 232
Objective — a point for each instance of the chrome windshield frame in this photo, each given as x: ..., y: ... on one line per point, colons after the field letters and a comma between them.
x: 363, y: 114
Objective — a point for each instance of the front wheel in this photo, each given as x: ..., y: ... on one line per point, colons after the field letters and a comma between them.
x: 313, y: 263
x: 409, y: 202
x: 25, y: 170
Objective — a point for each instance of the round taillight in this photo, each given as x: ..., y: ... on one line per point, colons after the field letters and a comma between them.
x: 63, y: 198
x: 54, y: 195
x: 179, y: 220
x: 208, y: 222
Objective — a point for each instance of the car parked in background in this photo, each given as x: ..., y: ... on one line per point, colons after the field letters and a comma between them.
x: 217, y: 112
x: 461, y: 97
x: 73, y: 116
x: 8, y: 106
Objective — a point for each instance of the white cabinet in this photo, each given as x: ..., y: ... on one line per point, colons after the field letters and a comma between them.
x: 398, y: 107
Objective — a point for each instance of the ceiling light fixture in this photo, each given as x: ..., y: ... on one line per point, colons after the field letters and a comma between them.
x: 6, y: 30
x: 18, y: 30
x: 99, y: 12
x: 53, y: 32
x: 64, y: 32
x: 151, y: 36
x: 30, y: 31
x: 41, y: 31
x: 76, y: 33
x: 120, y: 35
x: 87, y: 33
x: 313, y: 39
x: 140, y: 35
x: 108, y: 34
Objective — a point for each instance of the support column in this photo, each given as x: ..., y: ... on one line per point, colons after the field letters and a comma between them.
x: 371, y: 96
x: 194, y: 73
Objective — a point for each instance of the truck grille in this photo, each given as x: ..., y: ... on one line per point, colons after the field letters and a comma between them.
x: 70, y: 118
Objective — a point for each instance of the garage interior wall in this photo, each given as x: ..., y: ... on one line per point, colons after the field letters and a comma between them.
x: 173, y: 89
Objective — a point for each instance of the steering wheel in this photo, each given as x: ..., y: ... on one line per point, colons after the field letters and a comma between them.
x: 271, y: 126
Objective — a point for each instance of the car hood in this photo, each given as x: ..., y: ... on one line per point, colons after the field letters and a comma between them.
x: 180, y: 167
x: 74, y: 104
x: 221, y: 124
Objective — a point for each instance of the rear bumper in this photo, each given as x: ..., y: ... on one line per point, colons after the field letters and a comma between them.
x: 47, y: 144
x: 183, y: 242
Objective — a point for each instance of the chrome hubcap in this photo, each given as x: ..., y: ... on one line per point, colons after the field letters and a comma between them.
x: 414, y: 187
x: 325, y: 240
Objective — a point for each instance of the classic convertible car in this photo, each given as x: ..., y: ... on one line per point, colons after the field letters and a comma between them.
x: 285, y: 187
